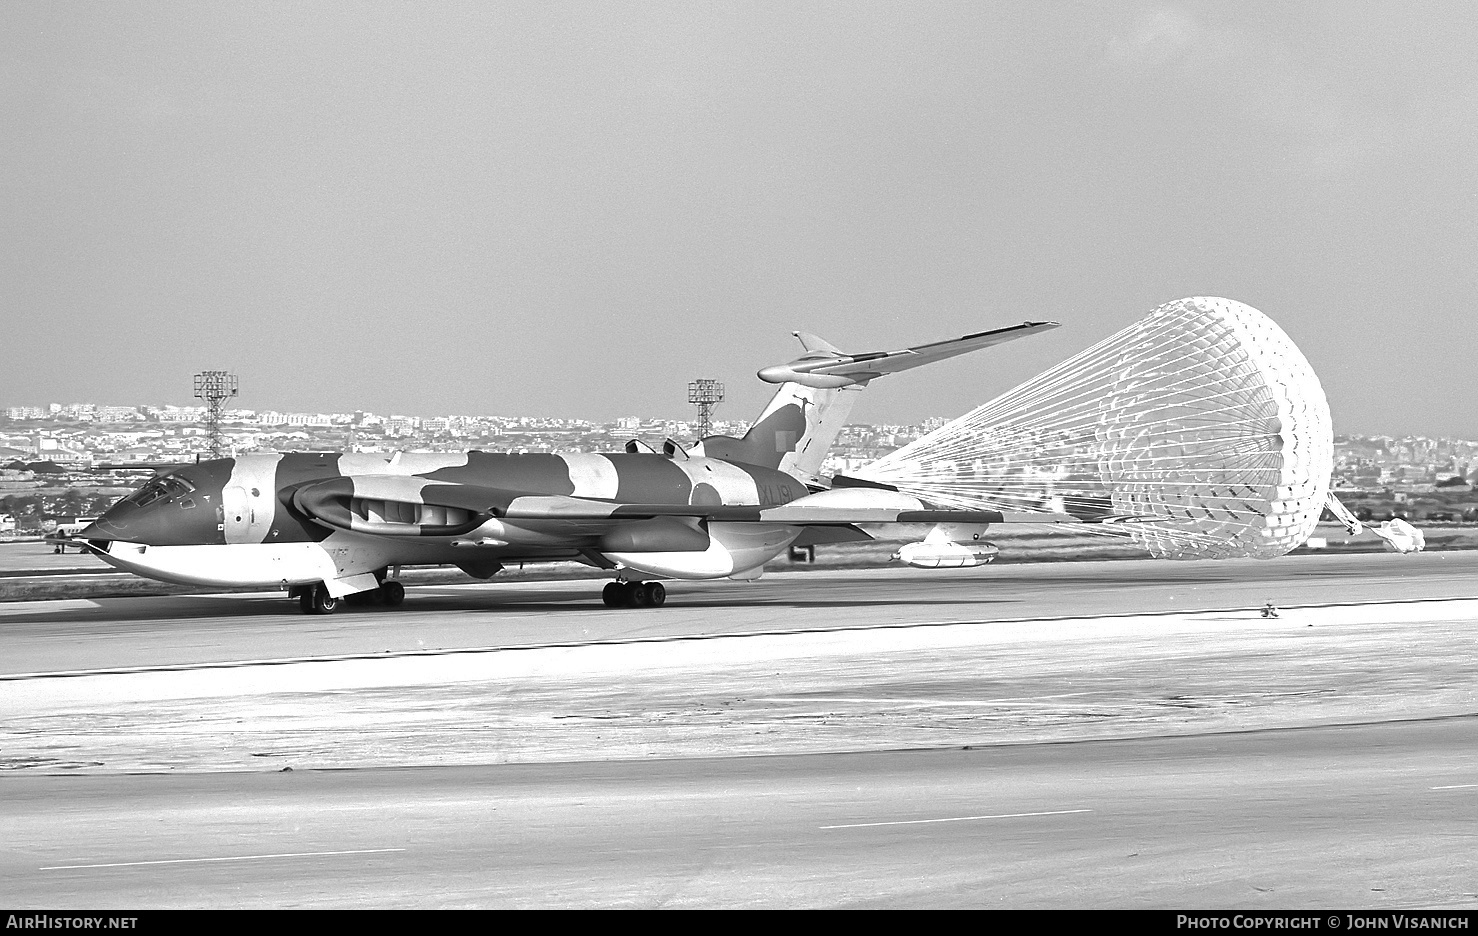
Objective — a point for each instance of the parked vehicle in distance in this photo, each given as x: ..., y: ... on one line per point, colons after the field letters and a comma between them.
x: 68, y: 529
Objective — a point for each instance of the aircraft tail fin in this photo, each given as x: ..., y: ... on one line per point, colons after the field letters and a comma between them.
x: 793, y: 434
x: 811, y: 343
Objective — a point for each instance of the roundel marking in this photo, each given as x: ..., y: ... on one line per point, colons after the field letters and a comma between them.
x: 706, y: 495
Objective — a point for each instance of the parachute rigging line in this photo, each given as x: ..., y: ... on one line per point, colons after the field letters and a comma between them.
x: 1202, y: 423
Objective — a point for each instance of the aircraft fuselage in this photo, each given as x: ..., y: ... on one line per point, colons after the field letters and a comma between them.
x: 285, y: 520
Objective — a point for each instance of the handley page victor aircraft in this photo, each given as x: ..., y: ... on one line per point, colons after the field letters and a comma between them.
x: 323, y: 527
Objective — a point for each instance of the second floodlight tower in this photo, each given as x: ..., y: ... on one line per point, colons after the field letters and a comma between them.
x: 705, y: 394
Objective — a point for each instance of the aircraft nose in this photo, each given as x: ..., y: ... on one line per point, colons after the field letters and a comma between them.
x: 94, y: 531
x: 776, y: 373
x: 132, y: 524
x: 109, y: 526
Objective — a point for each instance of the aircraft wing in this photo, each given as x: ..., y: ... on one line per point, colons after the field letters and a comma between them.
x: 797, y: 513
x: 409, y: 506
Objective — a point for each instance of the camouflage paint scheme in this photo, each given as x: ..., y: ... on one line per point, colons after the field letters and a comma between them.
x: 302, y: 497
x: 345, y: 520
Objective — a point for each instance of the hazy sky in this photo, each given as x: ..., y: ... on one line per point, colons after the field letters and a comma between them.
x: 574, y: 209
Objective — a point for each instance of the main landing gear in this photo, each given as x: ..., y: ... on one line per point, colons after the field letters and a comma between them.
x: 634, y: 595
x: 315, y: 599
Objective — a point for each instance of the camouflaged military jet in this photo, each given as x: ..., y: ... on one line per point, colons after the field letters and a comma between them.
x: 328, y: 527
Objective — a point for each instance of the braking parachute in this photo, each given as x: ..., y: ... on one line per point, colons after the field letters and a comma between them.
x: 1200, y: 431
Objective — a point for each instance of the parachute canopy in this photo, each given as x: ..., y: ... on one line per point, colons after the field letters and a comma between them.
x: 1199, y: 431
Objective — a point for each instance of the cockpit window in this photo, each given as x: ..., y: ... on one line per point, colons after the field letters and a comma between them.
x: 169, y: 486
x: 177, y: 485
x: 148, y: 494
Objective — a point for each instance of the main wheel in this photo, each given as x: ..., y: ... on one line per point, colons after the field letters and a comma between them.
x: 323, y: 602
x: 640, y: 595
x: 613, y: 595
x: 305, y: 601
x: 656, y: 594
x: 394, y: 593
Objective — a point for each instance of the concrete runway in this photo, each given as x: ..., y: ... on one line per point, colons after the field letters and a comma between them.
x: 1376, y: 817
x: 50, y: 636
x: 526, y: 746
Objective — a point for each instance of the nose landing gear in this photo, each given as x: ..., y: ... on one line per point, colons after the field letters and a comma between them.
x: 315, y: 599
x: 634, y: 595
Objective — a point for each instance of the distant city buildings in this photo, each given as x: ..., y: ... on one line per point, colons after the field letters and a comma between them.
x: 78, y: 436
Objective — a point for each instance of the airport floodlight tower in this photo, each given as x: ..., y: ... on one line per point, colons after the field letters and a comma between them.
x: 705, y: 394
x: 214, y: 388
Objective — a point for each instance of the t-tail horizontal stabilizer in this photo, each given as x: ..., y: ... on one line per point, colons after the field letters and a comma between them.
x: 826, y: 367
x: 817, y: 391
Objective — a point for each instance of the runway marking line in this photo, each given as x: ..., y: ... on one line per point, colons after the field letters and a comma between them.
x: 171, y: 861
x: 1456, y: 786
x: 1021, y: 815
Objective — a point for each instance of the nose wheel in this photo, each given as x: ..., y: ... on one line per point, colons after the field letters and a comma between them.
x: 316, y: 599
x: 634, y: 595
